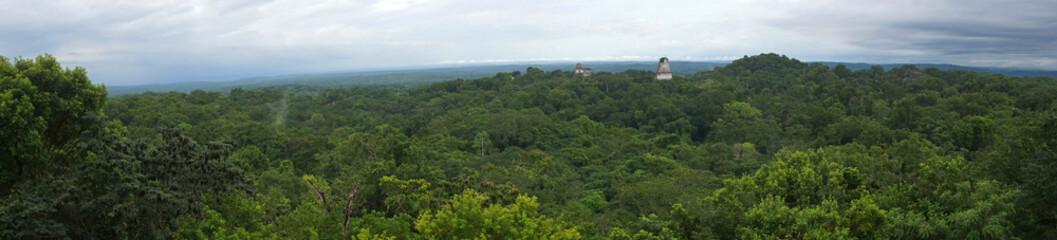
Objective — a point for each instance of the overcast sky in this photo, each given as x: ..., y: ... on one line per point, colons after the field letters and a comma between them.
x: 137, y: 42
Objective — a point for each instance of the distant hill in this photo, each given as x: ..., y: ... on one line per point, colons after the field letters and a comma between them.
x: 1012, y: 72
x: 308, y: 83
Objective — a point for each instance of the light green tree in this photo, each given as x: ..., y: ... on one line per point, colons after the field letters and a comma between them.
x: 466, y: 216
x: 43, y: 109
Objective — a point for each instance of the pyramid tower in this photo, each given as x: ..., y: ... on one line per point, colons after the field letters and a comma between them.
x: 581, y: 71
x: 664, y: 70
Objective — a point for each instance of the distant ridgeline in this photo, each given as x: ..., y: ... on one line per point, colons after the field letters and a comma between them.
x: 312, y: 83
x: 1012, y: 72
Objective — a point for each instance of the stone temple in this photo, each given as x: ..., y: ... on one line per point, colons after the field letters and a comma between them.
x: 664, y: 71
x: 581, y: 71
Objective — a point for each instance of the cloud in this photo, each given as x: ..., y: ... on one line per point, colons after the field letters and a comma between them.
x: 949, y: 31
x: 135, y: 42
x: 395, y: 5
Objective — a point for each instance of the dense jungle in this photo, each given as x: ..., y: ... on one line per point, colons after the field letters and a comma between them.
x: 767, y: 147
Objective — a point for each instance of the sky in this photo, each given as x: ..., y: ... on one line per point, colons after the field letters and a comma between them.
x: 163, y: 41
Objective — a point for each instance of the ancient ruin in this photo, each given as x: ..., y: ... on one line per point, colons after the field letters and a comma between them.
x: 581, y: 71
x: 664, y: 71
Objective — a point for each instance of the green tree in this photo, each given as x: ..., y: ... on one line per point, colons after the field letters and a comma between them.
x: 240, y: 218
x: 741, y: 122
x: 1026, y: 157
x: 467, y: 217
x: 594, y: 200
x: 131, y: 189
x: 407, y: 196
x: 44, y: 110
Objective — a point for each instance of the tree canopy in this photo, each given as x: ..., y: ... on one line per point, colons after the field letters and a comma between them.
x: 767, y: 147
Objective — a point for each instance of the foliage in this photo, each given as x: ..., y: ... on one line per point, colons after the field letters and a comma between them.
x: 43, y: 110
x: 467, y: 217
x: 767, y: 147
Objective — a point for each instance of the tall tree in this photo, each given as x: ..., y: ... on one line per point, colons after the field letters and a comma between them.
x: 44, y: 108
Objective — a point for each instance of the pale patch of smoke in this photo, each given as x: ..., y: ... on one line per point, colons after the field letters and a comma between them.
x: 280, y: 113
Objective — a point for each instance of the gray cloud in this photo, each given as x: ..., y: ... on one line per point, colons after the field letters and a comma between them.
x: 182, y: 40
x: 947, y: 31
x: 957, y: 38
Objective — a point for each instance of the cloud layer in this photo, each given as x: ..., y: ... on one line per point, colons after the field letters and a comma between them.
x: 136, y: 42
